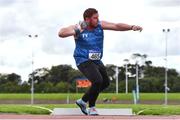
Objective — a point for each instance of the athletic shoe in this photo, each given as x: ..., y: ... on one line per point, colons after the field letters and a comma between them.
x: 82, y: 106
x: 92, y: 111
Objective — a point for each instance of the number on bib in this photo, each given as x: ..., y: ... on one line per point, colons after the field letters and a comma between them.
x: 94, y: 56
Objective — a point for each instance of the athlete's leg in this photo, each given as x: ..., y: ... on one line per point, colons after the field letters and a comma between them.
x: 106, y: 80
x: 91, y: 71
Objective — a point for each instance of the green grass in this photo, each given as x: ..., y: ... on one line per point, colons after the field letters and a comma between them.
x: 137, y: 109
x: 74, y: 96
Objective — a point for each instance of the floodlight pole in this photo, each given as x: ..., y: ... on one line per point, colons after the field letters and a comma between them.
x: 166, y: 69
x: 32, y: 80
x: 117, y: 83
x: 126, y: 74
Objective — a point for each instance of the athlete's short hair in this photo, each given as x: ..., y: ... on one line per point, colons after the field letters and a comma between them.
x: 89, y: 13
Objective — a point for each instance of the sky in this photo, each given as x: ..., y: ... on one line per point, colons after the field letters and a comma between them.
x: 20, y: 18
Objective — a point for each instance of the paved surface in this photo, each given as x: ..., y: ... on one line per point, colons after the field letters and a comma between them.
x: 82, y: 117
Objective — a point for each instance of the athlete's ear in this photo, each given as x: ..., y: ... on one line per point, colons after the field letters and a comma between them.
x: 87, y: 20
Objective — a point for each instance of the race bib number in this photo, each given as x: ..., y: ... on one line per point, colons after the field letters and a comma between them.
x: 94, y: 55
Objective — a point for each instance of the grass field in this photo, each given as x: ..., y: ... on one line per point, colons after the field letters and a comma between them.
x: 137, y: 109
x: 74, y: 96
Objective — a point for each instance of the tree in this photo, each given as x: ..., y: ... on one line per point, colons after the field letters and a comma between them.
x: 62, y: 87
x: 175, y: 86
x: 148, y: 63
x: 111, y: 71
x: 3, y: 79
x: 44, y: 87
x: 59, y: 73
x: 10, y: 83
x: 25, y: 87
x: 14, y: 78
x: 39, y: 75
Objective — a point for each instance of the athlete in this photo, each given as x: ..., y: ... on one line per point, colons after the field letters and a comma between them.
x: 88, y: 52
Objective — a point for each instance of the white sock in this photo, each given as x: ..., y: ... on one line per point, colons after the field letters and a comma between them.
x: 92, y: 107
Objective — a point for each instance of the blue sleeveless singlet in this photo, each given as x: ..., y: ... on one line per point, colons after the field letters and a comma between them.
x: 89, y: 45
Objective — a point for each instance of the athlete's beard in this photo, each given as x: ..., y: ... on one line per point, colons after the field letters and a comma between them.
x: 93, y: 26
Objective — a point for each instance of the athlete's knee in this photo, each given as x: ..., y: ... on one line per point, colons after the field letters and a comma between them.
x: 107, y: 84
x: 98, y: 82
x: 96, y: 87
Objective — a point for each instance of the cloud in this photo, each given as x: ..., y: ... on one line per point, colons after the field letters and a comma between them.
x: 10, y: 25
x: 173, y: 42
x: 5, y: 3
x: 20, y: 18
x: 163, y: 3
x: 150, y: 41
x: 17, y: 20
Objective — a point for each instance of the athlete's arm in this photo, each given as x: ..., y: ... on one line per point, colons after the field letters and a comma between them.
x: 119, y: 26
x: 67, y: 31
